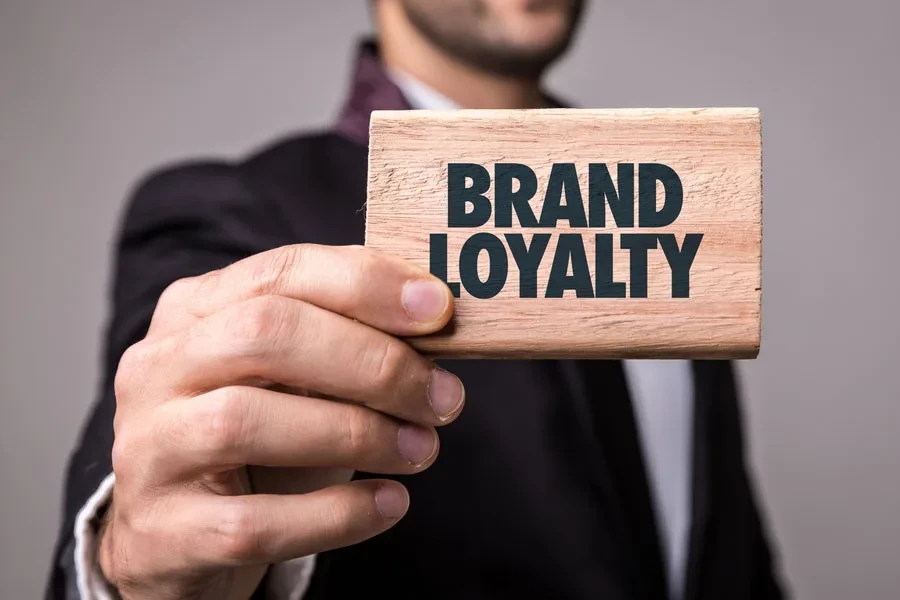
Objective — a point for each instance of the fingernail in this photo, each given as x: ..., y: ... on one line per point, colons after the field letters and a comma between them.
x: 445, y: 393
x: 424, y: 300
x: 416, y: 444
x: 391, y: 501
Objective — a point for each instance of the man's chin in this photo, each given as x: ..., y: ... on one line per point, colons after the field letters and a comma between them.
x: 522, y: 60
x: 514, y: 44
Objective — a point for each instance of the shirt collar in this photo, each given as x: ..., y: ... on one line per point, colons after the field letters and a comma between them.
x: 372, y: 88
x: 420, y: 95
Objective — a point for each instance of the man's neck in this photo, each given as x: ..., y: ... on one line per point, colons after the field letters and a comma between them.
x: 405, y: 50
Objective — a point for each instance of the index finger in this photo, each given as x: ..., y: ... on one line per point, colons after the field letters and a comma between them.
x: 373, y: 287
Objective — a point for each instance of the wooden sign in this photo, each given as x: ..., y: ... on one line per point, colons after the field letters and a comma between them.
x: 577, y: 233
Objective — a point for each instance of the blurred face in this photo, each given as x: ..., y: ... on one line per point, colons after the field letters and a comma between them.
x: 513, y: 38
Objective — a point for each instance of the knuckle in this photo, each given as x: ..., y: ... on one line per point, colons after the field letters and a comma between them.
x: 133, y: 362
x: 237, y: 534
x: 357, y: 431
x: 256, y: 324
x: 134, y: 458
x: 122, y: 454
x: 269, y: 274
x: 202, y: 286
x: 224, y: 422
x: 174, y: 294
x: 384, y: 363
x: 137, y: 524
x: 136, y: 520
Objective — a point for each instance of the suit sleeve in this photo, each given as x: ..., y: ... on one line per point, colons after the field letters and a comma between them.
x: 179, y: 222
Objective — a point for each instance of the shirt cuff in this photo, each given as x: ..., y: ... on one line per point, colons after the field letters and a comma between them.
x: 92, y: 585
x: 288, y: 580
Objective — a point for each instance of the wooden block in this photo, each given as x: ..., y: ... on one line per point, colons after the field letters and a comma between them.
x: 572, y: 233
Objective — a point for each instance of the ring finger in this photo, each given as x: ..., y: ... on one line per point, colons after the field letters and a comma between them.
x: 239, y: 425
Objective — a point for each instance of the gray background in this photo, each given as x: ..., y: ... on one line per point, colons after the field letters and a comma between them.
x: 95, y: 92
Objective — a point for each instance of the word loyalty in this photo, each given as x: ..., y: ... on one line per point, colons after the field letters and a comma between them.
x: 514, y: 185
x: 569, y: 270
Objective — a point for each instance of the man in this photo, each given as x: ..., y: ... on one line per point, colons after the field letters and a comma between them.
x: 257, y: 391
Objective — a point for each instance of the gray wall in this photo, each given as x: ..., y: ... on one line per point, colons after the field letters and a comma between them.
x: 94, y: 92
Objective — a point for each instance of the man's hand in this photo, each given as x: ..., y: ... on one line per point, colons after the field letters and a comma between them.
x: 241, y: 416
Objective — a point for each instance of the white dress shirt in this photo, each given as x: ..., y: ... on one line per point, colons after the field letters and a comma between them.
x: 662, y: 395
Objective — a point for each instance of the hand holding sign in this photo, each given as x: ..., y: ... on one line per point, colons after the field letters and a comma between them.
x: 242, y: 415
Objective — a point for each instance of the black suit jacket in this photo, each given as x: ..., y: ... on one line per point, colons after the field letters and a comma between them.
x: 540, y: 490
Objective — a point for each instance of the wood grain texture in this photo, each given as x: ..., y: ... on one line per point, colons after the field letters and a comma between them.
x: 716, y: 153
